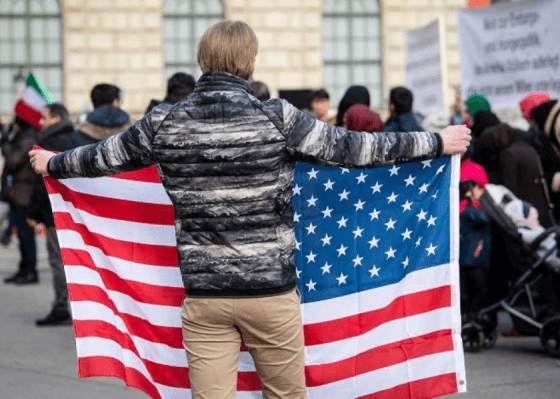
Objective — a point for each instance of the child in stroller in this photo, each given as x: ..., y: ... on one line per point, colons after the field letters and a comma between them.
x: 529, y: 261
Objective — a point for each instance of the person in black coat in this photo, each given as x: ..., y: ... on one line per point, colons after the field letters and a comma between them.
x: 57, y: 135
x: 179, y: 86
x: 514, y: 163
x: 354, y: 95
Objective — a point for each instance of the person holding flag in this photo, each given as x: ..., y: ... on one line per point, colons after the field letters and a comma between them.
x: 226, y: 160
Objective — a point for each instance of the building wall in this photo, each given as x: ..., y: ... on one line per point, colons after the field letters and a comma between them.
x: 402, y: 15
x: 113, y: 41
x: 121, y: 42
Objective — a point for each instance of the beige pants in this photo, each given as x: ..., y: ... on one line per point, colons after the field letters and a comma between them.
x: 270, y: 327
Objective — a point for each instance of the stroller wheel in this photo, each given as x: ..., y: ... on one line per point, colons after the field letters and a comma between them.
x: 550, y: 336
x: 490, y: 337
x: 473, y: 337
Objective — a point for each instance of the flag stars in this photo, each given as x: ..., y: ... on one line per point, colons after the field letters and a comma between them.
x: 417, y: 243
x: 344, y: 170
x: 326, y: 240
x: 394, y: 170
x: 407, y: 206
x: 410, y: 180
x: 298, y: 245
x: 326, y: 268
x: 311, y: 257
x: 374, y: 214
x: 407, y: 234
x: 390, y: 224
x: 327, y: 212
x: 342, y: 279
x: 329, y: 185
x: 434, y: 197
x: 342, y: 222
x: 296, y: 217
x: 427, y: 164
x: 374, y: 242
x: 312, y: 201
x: 359, y: 205
x: 344, y: 195
x: 357, y: 261
x: 311, y: 229
x: 424, y: 188
x: 392, y: 198
x: 358, y: 232
x: 390, y: 253
x: 341, y: 250
x: 311, y: 285
x: 296, y: 190
x: 421, y: 215
x: 432, y: 221
x: 376, y: 188
x: 405, y: 263
x: 361, y: 178
x: 374, y: 271
x: 431, y: 250
x: 298, y: 273
x: 312, y: 174
x: 440, y: 170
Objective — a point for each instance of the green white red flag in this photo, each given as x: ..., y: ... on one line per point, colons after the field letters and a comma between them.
x: 33, y: 101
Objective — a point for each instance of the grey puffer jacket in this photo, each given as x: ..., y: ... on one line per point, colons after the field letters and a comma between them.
x: 226, y: 161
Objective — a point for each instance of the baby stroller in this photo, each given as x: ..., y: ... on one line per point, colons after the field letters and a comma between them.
x: 531, y: 298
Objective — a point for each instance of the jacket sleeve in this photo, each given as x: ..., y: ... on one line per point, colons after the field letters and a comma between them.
x: 310, y: 138
x: 129, y: 150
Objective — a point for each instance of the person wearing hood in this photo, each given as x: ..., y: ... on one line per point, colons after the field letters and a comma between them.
x: 354, y: 95
x: 479, y: 116
x: 512, y: 162
x: 56, y: 135
x: 362, y: 119
x: 402, y: 118
x: 106, y: 119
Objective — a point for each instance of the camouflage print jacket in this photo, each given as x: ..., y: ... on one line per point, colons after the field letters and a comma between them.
x: 226, y: 161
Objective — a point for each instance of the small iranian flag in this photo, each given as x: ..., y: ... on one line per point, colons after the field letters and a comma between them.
x: 33, y: 100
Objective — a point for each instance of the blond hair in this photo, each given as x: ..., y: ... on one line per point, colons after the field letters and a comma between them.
x: 229, y: 46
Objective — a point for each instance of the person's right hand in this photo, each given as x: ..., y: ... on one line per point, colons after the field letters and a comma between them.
x: 456, y: 139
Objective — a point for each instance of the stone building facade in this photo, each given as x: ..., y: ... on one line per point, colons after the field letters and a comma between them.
x: 123, y: 42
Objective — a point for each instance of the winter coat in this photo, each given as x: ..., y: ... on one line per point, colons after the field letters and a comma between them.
x: 403, y: 123
x: 59, y: 138
x: 226, y: 161
x: 18, y: 175
x: 101, y: 123
x: 512, y: 162
x: 475, y: 231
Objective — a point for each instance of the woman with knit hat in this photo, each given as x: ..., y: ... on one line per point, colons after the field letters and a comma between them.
x: 362, y: 119
x: 479, y: 112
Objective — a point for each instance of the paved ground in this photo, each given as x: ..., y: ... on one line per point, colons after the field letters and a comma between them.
x: 41, y: 362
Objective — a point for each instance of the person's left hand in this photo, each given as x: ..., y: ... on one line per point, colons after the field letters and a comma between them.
x: 39, y: 160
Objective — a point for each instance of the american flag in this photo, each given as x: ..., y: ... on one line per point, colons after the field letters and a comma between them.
x: 377, y: 270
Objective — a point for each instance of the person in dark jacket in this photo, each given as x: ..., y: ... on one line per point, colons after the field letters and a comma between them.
x: 17, y: 188
x: 512, y: 162
x: 227, y: 162
x: 475, y: 242
x: 179, y: 85
x: 353, y: 95
x: 401, y: 118
x: 106, y: 119
x: 56, y: 135
x: 260, y: 90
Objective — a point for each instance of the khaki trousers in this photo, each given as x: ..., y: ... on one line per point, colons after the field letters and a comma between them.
x: 271, y: 328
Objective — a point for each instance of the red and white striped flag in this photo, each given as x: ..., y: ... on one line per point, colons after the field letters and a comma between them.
x: 399, y: 338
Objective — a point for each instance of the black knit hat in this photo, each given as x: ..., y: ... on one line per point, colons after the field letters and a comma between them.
x: 540, y: 113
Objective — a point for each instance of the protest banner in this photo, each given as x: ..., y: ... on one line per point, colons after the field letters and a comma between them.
x: 424, y: 74
x: 510, y: 50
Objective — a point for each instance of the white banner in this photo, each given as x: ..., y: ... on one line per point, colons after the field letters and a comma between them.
x: 510, y: 50
x: 423, y: 71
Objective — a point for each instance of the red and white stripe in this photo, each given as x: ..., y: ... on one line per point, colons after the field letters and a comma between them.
x: 118, y: 245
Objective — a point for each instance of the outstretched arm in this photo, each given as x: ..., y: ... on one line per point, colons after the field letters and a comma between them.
x: 329, y: 144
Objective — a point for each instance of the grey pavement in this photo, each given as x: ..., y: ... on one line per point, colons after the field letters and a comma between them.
x: 41, y: 362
